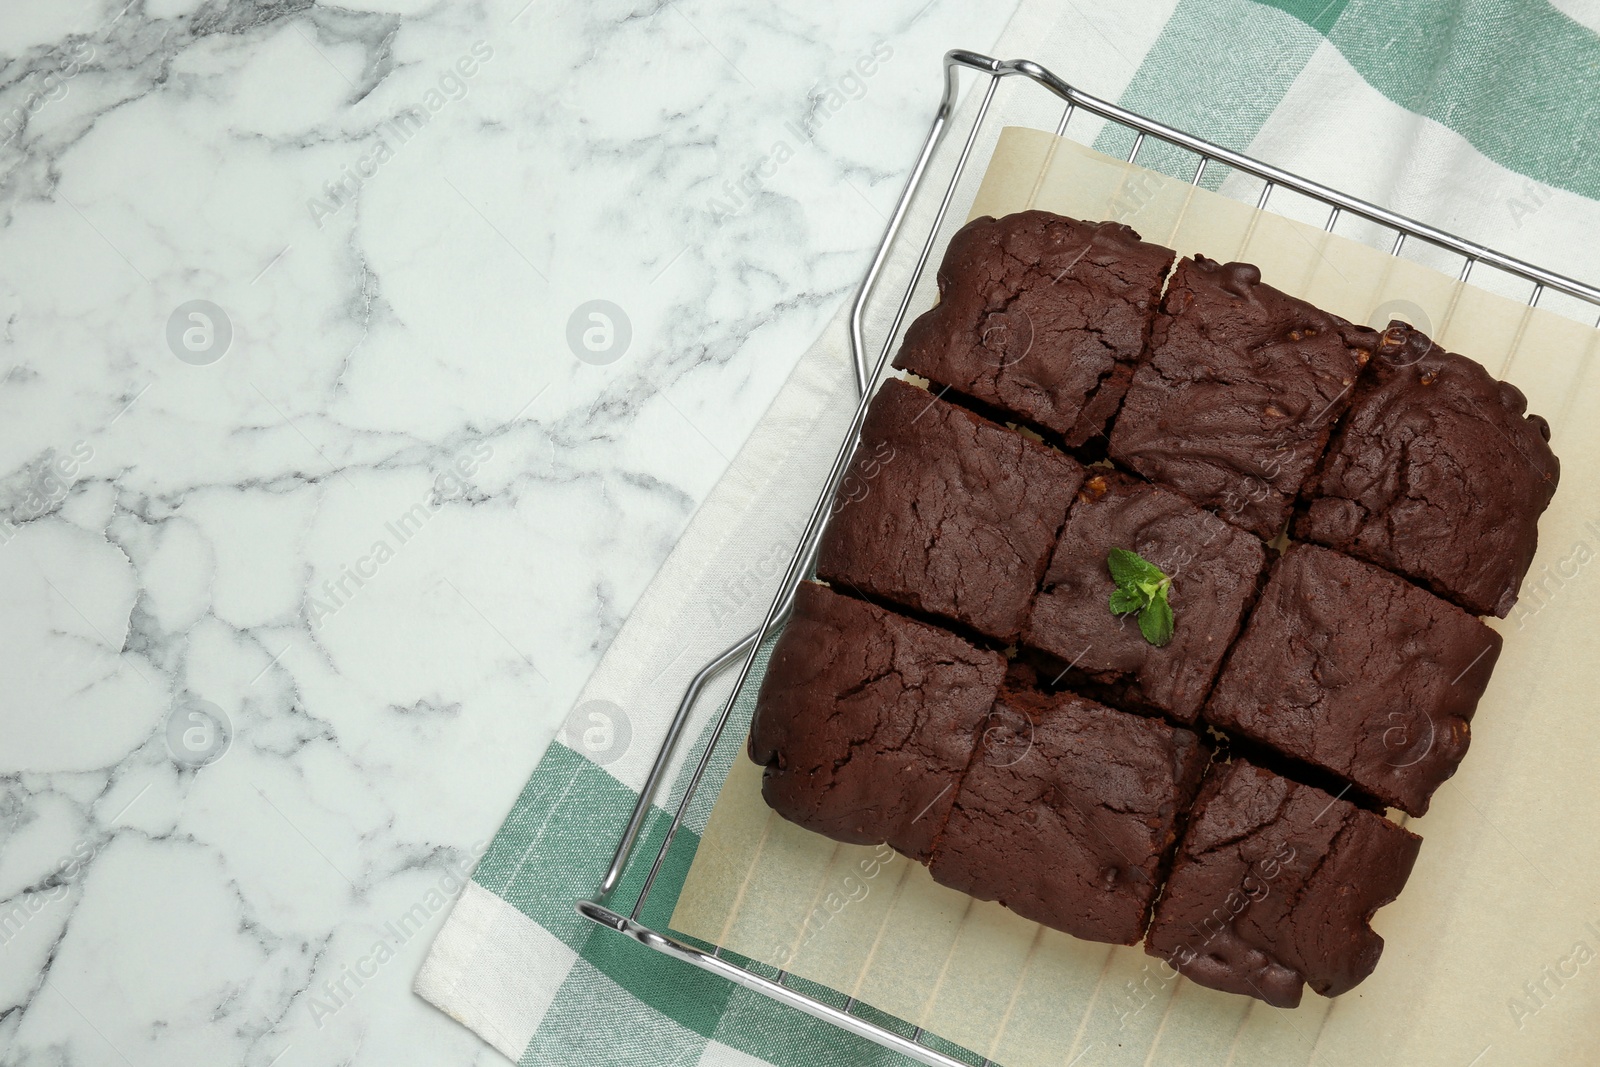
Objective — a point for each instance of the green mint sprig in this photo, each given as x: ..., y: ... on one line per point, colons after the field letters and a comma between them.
x: 1142, y: 588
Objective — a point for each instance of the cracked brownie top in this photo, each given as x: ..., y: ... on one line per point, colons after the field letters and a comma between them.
x: 1358, y: 672
x: 1274, y: 886
x: 1437, y: 473
x: 1069, y: 812
x: 947, y: 513
x: 1243, y: 385
x: 1041, y: 316
x: 866, y: 721
x: 1215, y: 570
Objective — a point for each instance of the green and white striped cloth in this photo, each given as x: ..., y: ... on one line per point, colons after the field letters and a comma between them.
x: 1480, y: 116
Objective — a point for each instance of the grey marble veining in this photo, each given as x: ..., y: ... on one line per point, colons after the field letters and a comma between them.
x: 321, y: 488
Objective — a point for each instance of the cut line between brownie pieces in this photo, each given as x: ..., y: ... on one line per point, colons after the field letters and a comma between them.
x: 1293, y: 761
x: 945, y: 515
x: 1117, y: 690
x: 989, y: 236
x: 1113, y: 898
x: 1090, y: 452
x: 1069, y: 811
x: 1215, y: 569
x: 995, y: 308
x: 1283, y: 759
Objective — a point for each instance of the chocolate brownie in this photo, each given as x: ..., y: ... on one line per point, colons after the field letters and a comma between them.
x: 1069, y: 812
x: 1041, y: 316
x: 866, y: 721
x: 947, y: 513
x: 1437, y: 473
x: 1275, y: 885
x: 1243, y: 385
x: 1358, y: 672
x: 1215, y: 570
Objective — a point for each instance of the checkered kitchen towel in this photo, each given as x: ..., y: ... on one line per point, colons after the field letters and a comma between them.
x: 1482, y: 116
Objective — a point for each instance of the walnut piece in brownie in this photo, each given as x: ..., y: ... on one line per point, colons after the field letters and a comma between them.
x: 1358, y: 672
x: 1215, y: 570
x: 1244, y: 383
x: 946, y: 513
x: 1068, y: 813
x: 1042, y: 316
x: 1274, y: 887
x: 1438, y: 473
x: 866, y: 721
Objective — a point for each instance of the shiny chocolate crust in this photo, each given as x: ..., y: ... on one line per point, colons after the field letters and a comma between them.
x: 946, y: 513
x: 1069, y: 812
x: 1244, y: 384
x: 1215, y: 569
x: 1041, y: 316
x: 866, y: 721
x: 1346, y: 667
x: 1274, y: 887
x: 1436, y: 473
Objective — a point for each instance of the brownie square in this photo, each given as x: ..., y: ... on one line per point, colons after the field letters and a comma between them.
x: 1041, y: 316
x: 946, y: 513
x: 1068, y: 813
x: 1243, y: 385
x: 866, y: 720
x: 1215, y: 570
x: 1274, y: 886
x: 1437, y: 473
x: 1358, y: 672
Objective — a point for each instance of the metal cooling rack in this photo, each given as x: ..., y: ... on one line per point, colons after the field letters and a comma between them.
x: 624, y: 918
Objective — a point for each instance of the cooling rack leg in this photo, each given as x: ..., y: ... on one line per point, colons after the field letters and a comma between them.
x: 680, y: 718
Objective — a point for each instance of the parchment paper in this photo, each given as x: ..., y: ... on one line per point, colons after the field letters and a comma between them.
x: 1493, y: 951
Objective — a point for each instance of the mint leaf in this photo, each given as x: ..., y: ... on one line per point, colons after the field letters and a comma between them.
x: 1130, y: 568
x: 1126, y: 601
x: 1151, y: 590
x: 1155, y: 621
x: 1142, y: 587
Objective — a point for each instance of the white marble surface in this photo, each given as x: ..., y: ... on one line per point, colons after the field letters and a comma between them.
x: 388, y: 533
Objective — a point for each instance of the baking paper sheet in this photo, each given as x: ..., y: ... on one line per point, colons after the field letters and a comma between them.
x: 1492, y: 953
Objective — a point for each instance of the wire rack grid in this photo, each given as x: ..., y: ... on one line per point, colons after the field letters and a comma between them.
x: 846, y: 1012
